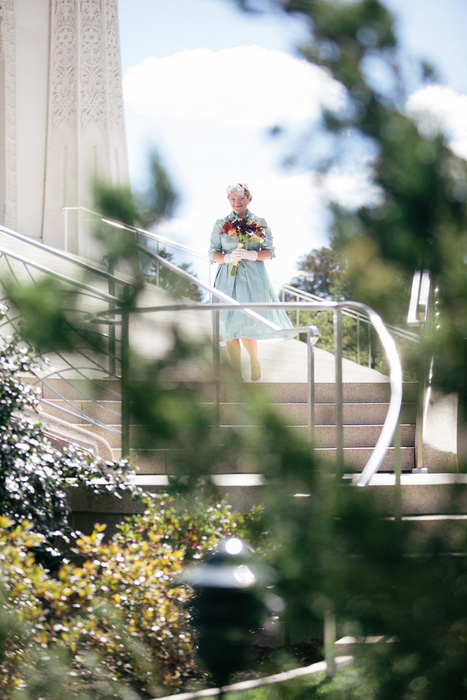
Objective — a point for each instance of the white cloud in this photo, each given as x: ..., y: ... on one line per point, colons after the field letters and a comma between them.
x: 291, y: 205
x: 351, y: 188
x: 436, y: 109
x: 245, y: 86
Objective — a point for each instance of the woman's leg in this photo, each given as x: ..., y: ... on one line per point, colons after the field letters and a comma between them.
x: 251, y: 346
x: 234, y: 353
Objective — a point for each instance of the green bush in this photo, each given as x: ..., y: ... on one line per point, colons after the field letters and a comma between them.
x: 34, y: 475
x: 120, y: 614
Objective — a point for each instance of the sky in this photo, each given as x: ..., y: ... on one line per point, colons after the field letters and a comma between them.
x: 204, y: 84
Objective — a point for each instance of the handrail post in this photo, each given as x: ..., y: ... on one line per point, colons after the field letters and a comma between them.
x: 339, y: 393
x: 358, y: 340
x: 111, y: 327
x: 125, y: 377
x: 310, y: 387
x: 217, y: 366
x: 158, y: 267
x: 397, y: 473
x: 311, y: 338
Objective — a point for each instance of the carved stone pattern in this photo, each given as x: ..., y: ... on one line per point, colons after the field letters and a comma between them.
x: 10, y: 111
x: 64, y: 61
x: 92, y: 64
x: 93, y: 32
x: 114, y: 67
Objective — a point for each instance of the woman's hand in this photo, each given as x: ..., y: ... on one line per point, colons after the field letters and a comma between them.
x: 249, y: 254
x: 236, y: 254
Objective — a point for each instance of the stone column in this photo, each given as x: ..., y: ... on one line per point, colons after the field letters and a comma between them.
x: 85, y: 129
x: 61, y: 122
x: 7, y: 115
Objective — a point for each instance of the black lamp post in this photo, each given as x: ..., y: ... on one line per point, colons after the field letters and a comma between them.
x: 229, y: 604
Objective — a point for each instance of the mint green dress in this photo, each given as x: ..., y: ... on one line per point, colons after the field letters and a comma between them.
x: 249, y: 284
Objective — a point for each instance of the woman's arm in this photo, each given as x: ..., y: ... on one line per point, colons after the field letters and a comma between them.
x: 221, y: 257
x: 264, y: 255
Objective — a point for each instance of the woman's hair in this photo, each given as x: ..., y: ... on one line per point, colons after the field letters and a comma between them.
x: 241, y: 188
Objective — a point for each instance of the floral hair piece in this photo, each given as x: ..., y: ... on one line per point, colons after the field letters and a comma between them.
x: 240, y: 188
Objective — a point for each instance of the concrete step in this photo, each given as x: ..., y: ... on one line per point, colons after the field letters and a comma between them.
x: 357, y: 457
x: 365, y: 408
x: 325, y: 436
x: 108, y: 412
x: 233, y: 413
x: 159, y: 461
x: 277, y: 392
x: 77, y: 388
x: 325, y: 413
x: 325, y: 392
x: 424, y: 493
x: 354, y: 435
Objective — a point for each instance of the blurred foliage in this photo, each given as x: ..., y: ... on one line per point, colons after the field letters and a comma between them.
x: 334, y: 547
x: 318, y: 273
x: 34, y: 475
x: 118, y: 616
x: 46, y: 312
x: 323, y: 273
x: 159, y: 200
x: 172, y: 282
x: 419, y: 219
x: 381, y: 576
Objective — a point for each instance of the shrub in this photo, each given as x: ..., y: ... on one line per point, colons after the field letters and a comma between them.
x: 34, y: 475
x: 120, y: 615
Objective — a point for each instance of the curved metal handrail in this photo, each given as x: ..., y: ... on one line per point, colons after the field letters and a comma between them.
x: 284, y: 288
x: 85, y: 289
x: 57, y: 254
x: 387, y: 342
x: 395, y: 373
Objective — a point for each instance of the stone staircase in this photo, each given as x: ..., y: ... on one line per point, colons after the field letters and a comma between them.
x: 365, y: 408
x: 366, y: 396
x: 366, y: 393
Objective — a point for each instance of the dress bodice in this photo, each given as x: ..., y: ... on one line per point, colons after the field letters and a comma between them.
x: 222, y: 243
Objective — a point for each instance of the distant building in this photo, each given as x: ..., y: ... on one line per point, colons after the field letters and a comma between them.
x: 61, y: 113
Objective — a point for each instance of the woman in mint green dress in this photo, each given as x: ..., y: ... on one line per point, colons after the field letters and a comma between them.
x: 241, y: 243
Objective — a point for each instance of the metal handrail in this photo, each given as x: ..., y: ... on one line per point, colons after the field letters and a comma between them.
x: 284, y: 288
x: 338, y: 308
x: 308, y: 296
x: 395, y: 373
x: 85, y: 289
x: 60, y: 276
x: 135, y: 229
x: 419, y: 316
x: 56, y: 253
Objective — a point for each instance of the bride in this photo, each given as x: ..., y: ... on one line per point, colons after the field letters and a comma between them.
x: 241, y: 243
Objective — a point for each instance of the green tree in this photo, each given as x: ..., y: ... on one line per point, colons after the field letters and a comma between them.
x: 333, y: 550
x: 172, y: 282
x: 317, y: 273
x: 376, y: 574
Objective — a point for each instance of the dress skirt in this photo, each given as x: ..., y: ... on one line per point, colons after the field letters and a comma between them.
x: 250, y: 283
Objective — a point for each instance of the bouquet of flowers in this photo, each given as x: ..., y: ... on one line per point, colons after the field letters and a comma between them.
x: 245, y: 230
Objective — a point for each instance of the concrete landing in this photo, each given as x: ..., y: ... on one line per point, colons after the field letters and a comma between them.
x: 286, y: 361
